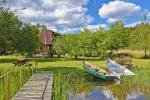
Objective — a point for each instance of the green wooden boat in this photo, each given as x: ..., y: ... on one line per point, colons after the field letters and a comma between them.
x: 99, y: 73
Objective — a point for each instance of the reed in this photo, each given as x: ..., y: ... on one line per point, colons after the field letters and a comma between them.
x: 15, y: 79
x: 60, y: 86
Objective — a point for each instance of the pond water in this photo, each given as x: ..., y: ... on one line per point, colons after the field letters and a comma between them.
x: 126, y: 89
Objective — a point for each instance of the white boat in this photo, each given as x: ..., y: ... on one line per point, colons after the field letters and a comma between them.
x: 118, y: 69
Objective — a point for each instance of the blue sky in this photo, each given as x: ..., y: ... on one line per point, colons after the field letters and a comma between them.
x: 93, y: 7
x: 69, y: 16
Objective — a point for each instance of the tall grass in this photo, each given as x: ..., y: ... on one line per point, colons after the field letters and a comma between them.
x: 135, y: 53
x: 17, y: 77
x: 60, y: 86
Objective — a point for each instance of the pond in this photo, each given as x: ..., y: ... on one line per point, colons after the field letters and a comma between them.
x: 78, y: 85
x: 108, y: 91
x: 128, y: 88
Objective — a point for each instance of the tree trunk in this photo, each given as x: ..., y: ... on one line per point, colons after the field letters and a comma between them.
x: 4, y: 52
x: 50, y: 52
x: 76, y: 57
x: 145, y: 53
x: 59, y: 56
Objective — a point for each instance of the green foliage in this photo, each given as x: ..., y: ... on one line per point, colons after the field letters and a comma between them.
x: 15, y: 36
x: 85, y: 42
x: 9, y: 27
x: 75, y: 44
x: 140, y: 37
x: 99, y: 41
x: 60, y: 44
x: 72, y: 44
x: 117, y: 37
x: 28, y: 40
x: 92, y: 43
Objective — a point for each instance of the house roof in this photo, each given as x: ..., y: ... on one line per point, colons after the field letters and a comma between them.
x: 46, y: 36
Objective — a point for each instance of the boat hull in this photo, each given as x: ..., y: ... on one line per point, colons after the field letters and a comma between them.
x: 99, y: 74
x: 118, y: 69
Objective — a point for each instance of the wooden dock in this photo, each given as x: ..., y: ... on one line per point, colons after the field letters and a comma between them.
x: 39, y: 87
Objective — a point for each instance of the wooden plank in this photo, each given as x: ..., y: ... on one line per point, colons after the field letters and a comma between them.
x: 38, y: 87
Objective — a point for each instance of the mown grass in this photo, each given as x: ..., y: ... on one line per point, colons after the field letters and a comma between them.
x: 6, y: 63
x: 68, y: 71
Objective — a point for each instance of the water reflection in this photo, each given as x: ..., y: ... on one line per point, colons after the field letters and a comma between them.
x: 95, y: 94
x: 135, y: 96
x: 122, y: 91
x: 102, y: 94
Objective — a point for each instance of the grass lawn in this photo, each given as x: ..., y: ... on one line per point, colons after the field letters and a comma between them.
x: 6, y: 62
x: 68, y: 71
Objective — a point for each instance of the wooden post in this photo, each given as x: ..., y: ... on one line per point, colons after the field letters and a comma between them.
x: 36, y: 65
x: 20, y: 78
x: 32, y: 70
x: 9, y: 91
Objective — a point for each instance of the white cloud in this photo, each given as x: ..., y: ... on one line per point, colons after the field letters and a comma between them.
x: 70, y: 30
x: 148, y: 14
x: 94, y: 27
x: 119, y: 10
x: 133, y: 24
x: 30, y: 13
x: 62, y: 15
x: 111, y: 20
x: 48, y: 2
x: 53, y: 28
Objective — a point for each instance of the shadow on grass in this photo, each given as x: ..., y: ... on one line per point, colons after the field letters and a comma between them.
x: 46, y: 59
x: 69, y: 59
x: 11, y: 60
x: 7, y: 60
x: 86, y: 59
x: 145, y: 57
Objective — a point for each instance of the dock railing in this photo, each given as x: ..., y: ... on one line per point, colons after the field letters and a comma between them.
x: 14, y: 79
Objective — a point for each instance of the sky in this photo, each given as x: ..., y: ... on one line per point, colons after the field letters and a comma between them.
x: 70, y: 16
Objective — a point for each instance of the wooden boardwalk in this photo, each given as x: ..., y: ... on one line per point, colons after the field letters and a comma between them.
x: 39, y: 87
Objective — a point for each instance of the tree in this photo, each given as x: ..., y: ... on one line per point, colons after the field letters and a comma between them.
x: 145, y: 19
x: 117, y: 37
x: 140, y: 38
x: 9, y: 27
x: 99, y: 41
x: 28, y: 40
x: 86, y: 43
x: 59, y: 45
x: 140, y: 35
